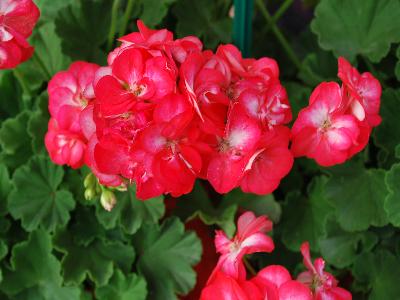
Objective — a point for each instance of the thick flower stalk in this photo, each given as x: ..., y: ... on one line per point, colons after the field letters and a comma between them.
x: 17, y: 19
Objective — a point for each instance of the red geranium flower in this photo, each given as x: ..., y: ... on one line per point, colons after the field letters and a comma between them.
x: 17, y: 19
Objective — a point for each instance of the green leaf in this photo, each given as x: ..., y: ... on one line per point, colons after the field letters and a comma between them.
x: 381, y: 271
x: 86, y: 228
x: 154, y: 11
x: 48, y: 49
x: 358, y: 195
x: 50, y: 8
x: 35, y: 271
x: 167, y: 254
x: 3, y: 253
x: 36, y: 198
x: 318, y: 67
x: 341, y: 248
x: 397, y: 67
x: 260, y: 205
x: 198, y: 204
x: 3, y: 249
x: 387, y: 134
x: 223, y: 217
x: 352, y: 27
x: 48, y: 58
x: 86, y: 295
x: 204, y: 19
x: 223, y: 213
x: 298, y: 95
x: 13, y: 134
x: 130, y: 212
x: 15, y: 140
x: 123, y: 287
x: 10, y: 95
x: 49, y: 291
x: 83, y: 27
x: 5, y: 188
x: 305, y: 218
x: 95, y: 260
x: 37, y: 124
x: 392, y: 202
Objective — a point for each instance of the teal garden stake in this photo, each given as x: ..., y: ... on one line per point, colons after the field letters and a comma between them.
x: 242, y: 25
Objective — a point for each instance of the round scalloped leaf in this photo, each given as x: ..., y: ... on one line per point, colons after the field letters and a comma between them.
x: 392, y: 202
x: 95, y: 259
x: 167, y: 254
x: 352, y: 27
x: 36, y: 198
x: 123, y: 287
x: 387, y: 134
x: 358, y: 194
x: 341, y: 248
x: 305, y: 217
x: 35, y: 271
x: 15, y: 141
x: 381, y: 271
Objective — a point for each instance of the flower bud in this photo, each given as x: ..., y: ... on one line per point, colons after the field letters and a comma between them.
x: 89, y: 194
x: 108, y: 200
x: 122, y: 188
x: 90, y: 181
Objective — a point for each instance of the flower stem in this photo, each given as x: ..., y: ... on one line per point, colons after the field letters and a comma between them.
x: 25, y: 88
x: 282, y: 9
x: 281, y: 38
x: 127, y: 15
x: 113, y: 26
x: 40, y: 63
x: 249, y: 266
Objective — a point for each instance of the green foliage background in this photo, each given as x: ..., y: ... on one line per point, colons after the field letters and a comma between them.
x: 56, y: 245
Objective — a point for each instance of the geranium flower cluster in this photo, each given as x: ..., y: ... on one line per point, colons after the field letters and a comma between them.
x: 164, y: 112
x: 339, y: 119
x: 17, y: 19
x: 230, y: 281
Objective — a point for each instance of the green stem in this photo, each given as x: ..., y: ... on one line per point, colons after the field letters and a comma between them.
x: 281, y: 38
x: 40, y: 63
x: 127, y: 16
x: 25, y: 87
x: 249, y: 266
x: 113, y: 26
x: 282, y: 9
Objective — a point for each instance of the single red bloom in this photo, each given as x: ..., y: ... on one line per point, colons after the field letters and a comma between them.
x: 64, y: 145
x: 250, y: 238
x: 71, y: 91
x: 271, y: 161
x: 276, y: 283
x: 225, y: 287
x: 323, y: 130
x: 323, y: 284
x: 363, y: 92
x: 227, y: 167
x: 17, y: 19
x: 138, y: 80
